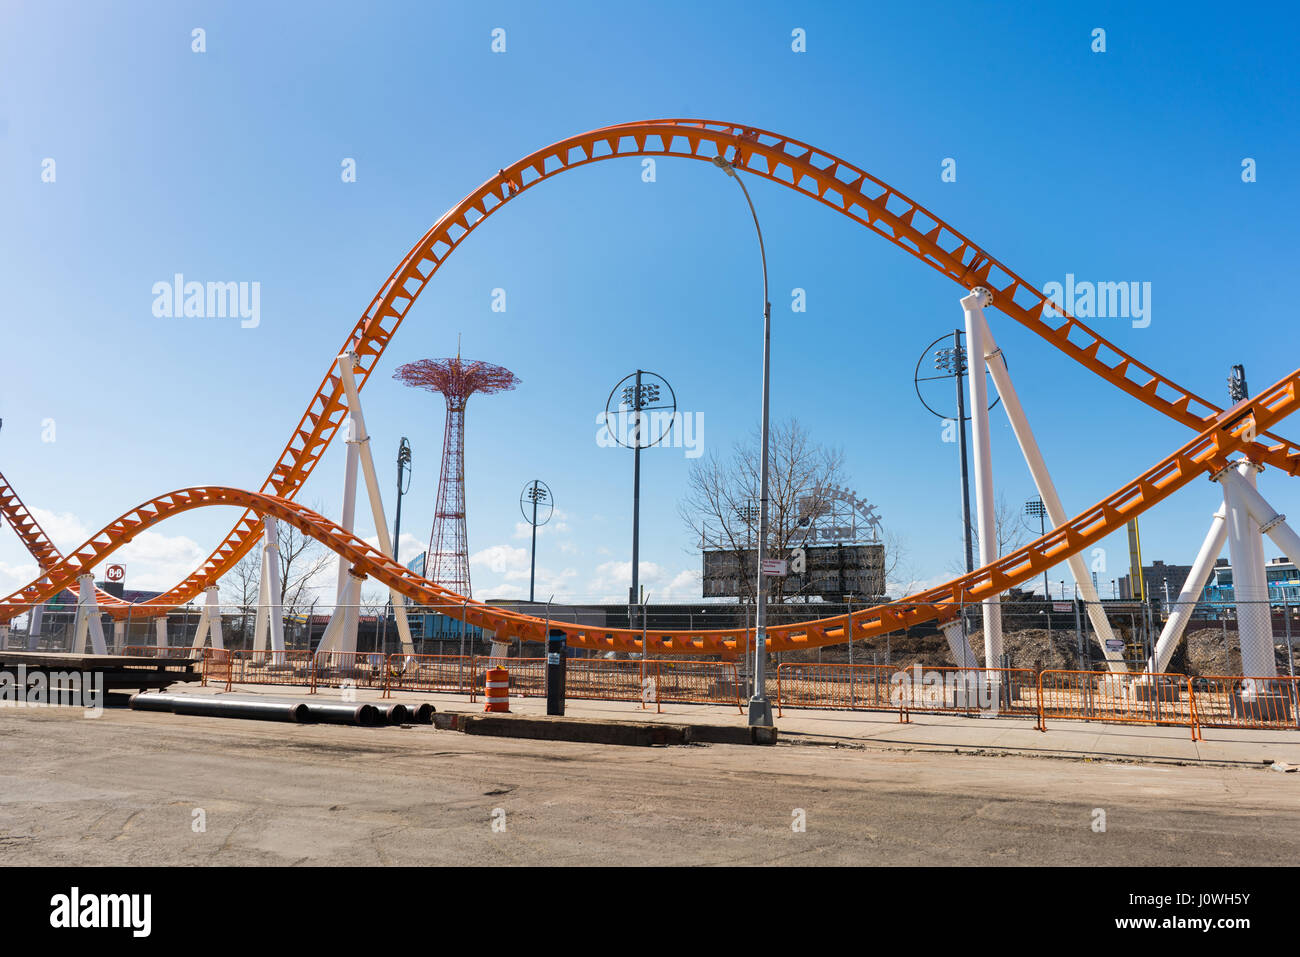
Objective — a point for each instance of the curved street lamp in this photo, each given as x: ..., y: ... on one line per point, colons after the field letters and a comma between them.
x: 760, y: 709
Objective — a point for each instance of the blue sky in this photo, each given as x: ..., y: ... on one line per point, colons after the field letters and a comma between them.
x: 225, y: 166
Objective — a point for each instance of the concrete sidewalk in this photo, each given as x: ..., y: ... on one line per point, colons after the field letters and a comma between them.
x: 1087, y: 740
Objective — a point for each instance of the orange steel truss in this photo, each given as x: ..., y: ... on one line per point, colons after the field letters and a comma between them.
x: 831, y: 181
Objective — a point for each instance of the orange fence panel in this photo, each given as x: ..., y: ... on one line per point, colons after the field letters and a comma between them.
x: 991, y: 692
x: 271, y: 667
x: 603, y: 679
x: 217, y: 666
x: 1234, y: 701
x: 690, y: 682
x: 1133, y: 698
x: 527, y: 675
x: 834, y: 686
x: 365, y: 669
x: 453, y: 674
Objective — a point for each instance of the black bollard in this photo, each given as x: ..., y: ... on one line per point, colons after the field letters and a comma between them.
x: 555, y: 663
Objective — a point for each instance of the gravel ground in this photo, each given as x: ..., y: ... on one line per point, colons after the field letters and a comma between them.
x: 125, y: 789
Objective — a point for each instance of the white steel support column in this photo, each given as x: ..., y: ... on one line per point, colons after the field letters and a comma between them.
x: 269, y: 611
x: 960, y: 645
x: 986, y: 518
x: 340, y: 634
x: 1047, y: 492
x: 1185, y: 603
x: 1270, y: 521
x: 347, y: 364
x: 160, y: 631
x: 1249, y: 585
x: 88, y: 623
x: 34, y: 622
x: 347, y: 519
x: 119, y: 636
x: 209, y: 620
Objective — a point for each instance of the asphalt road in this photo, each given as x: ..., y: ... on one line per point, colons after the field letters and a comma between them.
x: 128, y: 788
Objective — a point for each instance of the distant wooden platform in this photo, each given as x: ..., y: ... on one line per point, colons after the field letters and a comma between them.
x: 119, y: 671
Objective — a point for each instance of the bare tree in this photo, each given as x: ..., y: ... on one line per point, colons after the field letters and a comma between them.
x: 1009, y: 525
x: 721, y: 507
x: 303, y: 561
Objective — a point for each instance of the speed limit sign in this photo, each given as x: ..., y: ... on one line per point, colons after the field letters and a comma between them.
x: 116, y: 573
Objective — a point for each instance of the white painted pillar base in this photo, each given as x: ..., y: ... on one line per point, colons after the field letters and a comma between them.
x: 119, y: 636
x: 959, y: 644
x: 270, y: 614
x: 341, y: 632
x: 1249, y: 584
x: 34, y: 626
x: 209, y: 621
x: 88, y: 624
x: 160, y: 631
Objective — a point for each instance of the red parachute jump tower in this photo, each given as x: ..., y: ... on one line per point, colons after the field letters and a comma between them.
x: 447, y: 561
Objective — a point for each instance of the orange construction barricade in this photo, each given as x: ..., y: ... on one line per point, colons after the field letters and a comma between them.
x: 498, y: 690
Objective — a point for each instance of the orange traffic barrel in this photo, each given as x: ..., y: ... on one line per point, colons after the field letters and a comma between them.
x: 498, y: 690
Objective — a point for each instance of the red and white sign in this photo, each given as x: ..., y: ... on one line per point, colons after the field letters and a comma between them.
x: 116, y: 573
x: 774, y: 567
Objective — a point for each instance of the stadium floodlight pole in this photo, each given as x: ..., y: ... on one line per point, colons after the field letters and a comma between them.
x: 639, y: 398
x: 535, y: 493
x: 760, y: 709
x: 1034, y: 507
x: 403, y: 473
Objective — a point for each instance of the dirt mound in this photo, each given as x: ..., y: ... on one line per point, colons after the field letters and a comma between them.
x: 1035, y: 649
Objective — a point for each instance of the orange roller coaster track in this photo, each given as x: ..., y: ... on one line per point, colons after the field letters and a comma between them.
x: 821, y: 176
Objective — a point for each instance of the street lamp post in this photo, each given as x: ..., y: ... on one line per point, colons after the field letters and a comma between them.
x: 760, y: 709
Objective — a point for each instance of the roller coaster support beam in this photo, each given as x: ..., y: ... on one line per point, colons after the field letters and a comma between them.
x: 986, y: 518
x: 1186, y: 601
x: 87, y: 622
x: 341, y: 633
x: 347, y: 520
x: 1271, y: 522
x: 160, y: 631
x: 34, y: 621
x: 347, y: 363
x: 959, y: 644
x: 269, y: 610
x: 1047, y: 491
x: 119, y: 635
x: 209, y: 620
x: 1249, y: 584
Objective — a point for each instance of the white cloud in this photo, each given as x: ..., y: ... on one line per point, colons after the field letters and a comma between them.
x: 613, y: 579
x: 65, y: 530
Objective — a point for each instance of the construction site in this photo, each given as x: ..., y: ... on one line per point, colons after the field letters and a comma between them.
x: 333, y: 658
